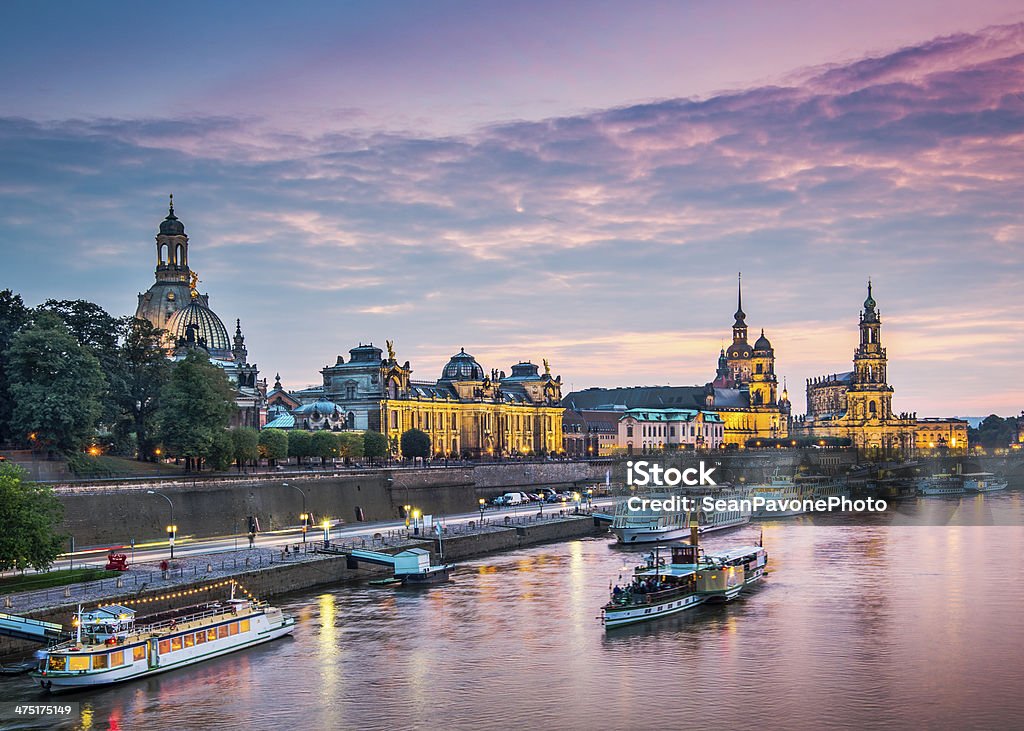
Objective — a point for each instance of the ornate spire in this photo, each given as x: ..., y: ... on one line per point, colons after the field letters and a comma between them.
x: 740, y: 314
x: 170, y: 207
x: 277, y: 382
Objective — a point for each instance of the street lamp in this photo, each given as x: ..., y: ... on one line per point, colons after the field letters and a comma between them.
x: 416, y: 521
x: 158, y: 452
x: 305, y: 516
x: 172, y: 529
x: 482, y: 502
x: 326, y: 525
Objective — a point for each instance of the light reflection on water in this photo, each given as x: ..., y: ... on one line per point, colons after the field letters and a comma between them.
x: 854, y: 627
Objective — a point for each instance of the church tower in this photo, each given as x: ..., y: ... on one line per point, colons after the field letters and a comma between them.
x: 739, y: 352
x: 763, y: 383
x: 870, y: 396
x: 172, y: 290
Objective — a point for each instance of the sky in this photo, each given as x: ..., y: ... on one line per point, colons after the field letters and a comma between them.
x: 573, y: 181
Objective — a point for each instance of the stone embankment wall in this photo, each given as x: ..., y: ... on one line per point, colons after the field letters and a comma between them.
x: 115, y: 512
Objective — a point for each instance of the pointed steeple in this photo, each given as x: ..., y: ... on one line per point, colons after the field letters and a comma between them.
x: 741, y: 316
x: 238, y: 350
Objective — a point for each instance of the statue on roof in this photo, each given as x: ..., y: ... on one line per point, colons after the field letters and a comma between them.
x: 547, y: 367
x: 391, y: 349
x: 194, y: 284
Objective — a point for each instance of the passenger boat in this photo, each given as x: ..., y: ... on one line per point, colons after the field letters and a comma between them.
x: 110, y: 648
x: 657, y: 526
x: 983, y: 482
x: 940, y: 485
x: 690, y: 579
x: 780, y: 490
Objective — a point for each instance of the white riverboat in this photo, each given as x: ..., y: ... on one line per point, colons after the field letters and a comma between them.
x: 109, y: 648
x: 689, y: 580
x: 941, y: 485
x: 983, y: 482
x: 780, y: 490
x: 648, y: 525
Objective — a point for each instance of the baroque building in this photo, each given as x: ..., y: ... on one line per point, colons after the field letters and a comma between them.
x: 857, y: 404
x: 744, y: 392
x: 174, y: 304
x: 466, y: 412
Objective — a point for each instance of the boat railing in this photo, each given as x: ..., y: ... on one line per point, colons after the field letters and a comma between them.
x: 175, y: 622
x: 651, y: 597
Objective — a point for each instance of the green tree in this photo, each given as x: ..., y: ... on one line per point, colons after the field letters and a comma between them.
x: 415, y: 443
x: 246, y: 441
x: 325, y: 445
x: 144, y: 370
x: 55, y: 385
x: 994, y: 432
x: 350, y: 444
x: 375, y: 445
x: 300, y: 444
x: 13, y: 317
x: 99, y: 332
x: 28, y: 513
x: 196, y: 405
x: 273, y: 445
x: 222, y: 451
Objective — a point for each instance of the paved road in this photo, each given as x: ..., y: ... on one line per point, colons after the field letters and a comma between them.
x: 184, y: 546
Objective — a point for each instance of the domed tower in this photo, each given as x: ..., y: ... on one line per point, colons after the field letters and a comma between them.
x: 763, y: 384
x: 172, y: 290
x: 739, y: 352
x: 785, y: 407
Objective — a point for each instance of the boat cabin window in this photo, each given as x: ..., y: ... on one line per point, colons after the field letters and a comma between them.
x: 78, y: 662
x: 139, y: 652
x: 165, y: 646
x: 200, y: 637
x: 233, y: 628
x: 190, y: 640
x: 58, y: 662
x: 117, y: 658
x: 222, y: 631
x: 211, y: 635
x: 175, y: 643
x: 99, y: 662
x: 244, y: 625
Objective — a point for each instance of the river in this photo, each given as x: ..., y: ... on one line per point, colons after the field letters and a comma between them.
x: 856, y: 626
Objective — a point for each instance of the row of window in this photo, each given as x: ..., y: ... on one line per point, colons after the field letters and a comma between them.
x: 100, y: 661
x: 192, y: 639
x: 659, y: 430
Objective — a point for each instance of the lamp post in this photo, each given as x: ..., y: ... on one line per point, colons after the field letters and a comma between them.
x: 158, y: 452
x: 326, y: 525
x: 482, y: 503
x: 416, y: 521
x: 172, y: 528
x: 305, y: 516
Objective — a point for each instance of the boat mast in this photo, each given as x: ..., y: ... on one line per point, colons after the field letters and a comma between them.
x: 78, y: 627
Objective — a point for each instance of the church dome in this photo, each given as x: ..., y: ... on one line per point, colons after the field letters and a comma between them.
x: 762, y: 343
x: 462, y: 367
x: 208, y: 327
x: 171, y: 226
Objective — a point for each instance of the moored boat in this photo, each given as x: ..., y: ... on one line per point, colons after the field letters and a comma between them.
x: 983, y: 482
x: 940, y: 485
x: 650, y: 525
x: 110, y: 648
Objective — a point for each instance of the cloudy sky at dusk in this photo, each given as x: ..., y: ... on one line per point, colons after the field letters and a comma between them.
x: 576, y: 181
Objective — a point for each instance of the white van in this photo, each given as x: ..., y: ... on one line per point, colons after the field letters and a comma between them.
x: 514, y: 498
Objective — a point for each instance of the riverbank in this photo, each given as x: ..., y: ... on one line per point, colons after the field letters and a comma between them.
x: 266, y: 573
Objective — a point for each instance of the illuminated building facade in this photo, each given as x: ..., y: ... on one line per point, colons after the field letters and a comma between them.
x: 858, y: 404
x: 467, y: 412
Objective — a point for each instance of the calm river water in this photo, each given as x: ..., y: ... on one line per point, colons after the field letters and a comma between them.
x: 882, y: 626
